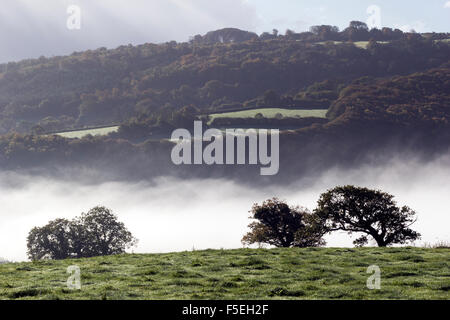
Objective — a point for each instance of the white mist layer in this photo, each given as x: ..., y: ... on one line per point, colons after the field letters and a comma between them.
x: 177, y: 215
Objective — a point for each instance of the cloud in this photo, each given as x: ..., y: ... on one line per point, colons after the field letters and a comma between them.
x: 176, y: 215
x: 447, y: 5
x: 30, y: 28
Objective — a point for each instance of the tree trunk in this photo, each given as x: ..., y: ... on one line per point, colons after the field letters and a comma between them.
x: 380, y: 242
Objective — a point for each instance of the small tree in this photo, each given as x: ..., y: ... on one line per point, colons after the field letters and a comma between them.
x: 279, y: 116
x: 103, y: 233
x: 370, y: 212
x: 95, y: 233
x: 280, y: 225
x: 271, y: 98
x: 259, y: 115
x: 50, y: 241
x: 358, y: 25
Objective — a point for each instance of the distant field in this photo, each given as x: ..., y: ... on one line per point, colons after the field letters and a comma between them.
x: 364, y: 44
x: 359, y: 44
x: 82, y: 133
x: 270, y: 113
x: 310, y: 273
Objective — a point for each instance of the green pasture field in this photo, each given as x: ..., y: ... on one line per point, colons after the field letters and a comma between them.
x: 81, y: 133
x: 271, y: 113
x: 309, y: 273
x: 359, y: 44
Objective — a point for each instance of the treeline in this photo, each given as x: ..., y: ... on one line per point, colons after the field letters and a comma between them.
x: 417, y: 100
x: 98, y: 87
x: 380, y: 118
x: 371, y: 118
x: 356, y: 31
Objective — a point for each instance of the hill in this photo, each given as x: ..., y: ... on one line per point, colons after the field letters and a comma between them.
x: 386, y: 97
x: 312, y: 273
x: 370, y: 117
x: 225, y: 68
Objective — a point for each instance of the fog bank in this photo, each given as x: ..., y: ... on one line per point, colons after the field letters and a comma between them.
x: 175, y: 215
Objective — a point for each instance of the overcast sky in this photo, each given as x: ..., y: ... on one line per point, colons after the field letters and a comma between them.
x: 31, y: 28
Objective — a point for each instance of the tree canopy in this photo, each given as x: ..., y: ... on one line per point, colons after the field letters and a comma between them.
x: 391, y: 91
x: 95, y: 233
x: 371, y: 212
x: 281, y: 225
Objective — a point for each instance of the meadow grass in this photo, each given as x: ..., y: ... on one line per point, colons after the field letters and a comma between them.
x: 443, y: 40
x: 359, y: 44
x: 271, y: 113
x: 310, y: 273
x: 81, y: 133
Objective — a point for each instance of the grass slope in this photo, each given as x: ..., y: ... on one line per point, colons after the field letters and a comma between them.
x: 359, y: 44
x: 271, y: 113
x: 81, y: 133
x: 312, y: 273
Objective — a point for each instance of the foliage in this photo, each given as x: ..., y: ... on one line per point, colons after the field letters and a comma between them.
x: 294, y: 273
x: 280, y: 225
x: 371, y: 212
x: 95, y: 233
x: 392, y: 94
x: 414, y: 100
x: 225, y: 67
x: 51, y: 241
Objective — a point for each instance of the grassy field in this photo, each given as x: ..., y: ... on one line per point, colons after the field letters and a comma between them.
x: 359, y: 44
x: 271, y: 112
x: 364, y: 44
x: 82, y: 133
x: 312, y: 273
x: 443, y: 40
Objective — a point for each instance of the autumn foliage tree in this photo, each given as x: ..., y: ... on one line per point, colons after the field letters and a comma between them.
x: 281, y: 225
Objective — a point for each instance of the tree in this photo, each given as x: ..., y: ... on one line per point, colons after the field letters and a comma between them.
x: 326, y: 32
x: 357, y: 31
x: 271, y: 98
x: 358, y: 25
x: 185, y: 117
x: 266, y: 36
x: 50, y: 241
x: 280, y: 225
x: 104, y: 234
x: 259, y: 116
x: 289, y: 33
x: 37, y: 130
x: 95, y: 233
x: 370, y: 212
x: 279, y: 116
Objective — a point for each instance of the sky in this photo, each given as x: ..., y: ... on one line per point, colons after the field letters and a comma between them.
x: 32, y: 28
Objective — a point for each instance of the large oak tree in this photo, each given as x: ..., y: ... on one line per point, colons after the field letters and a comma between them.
x: 369, y: 212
